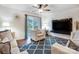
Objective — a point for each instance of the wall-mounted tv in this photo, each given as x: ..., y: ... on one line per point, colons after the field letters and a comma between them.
x: 63, y: 26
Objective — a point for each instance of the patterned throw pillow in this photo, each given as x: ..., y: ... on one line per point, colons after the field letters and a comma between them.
x: 6, y: 35
x: 5, y: 48
x: 5, y: 38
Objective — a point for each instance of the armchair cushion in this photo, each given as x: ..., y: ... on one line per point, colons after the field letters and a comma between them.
x: 38, y: 35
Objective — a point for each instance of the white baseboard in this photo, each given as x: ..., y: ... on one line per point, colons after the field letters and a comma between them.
x: 59, y: 35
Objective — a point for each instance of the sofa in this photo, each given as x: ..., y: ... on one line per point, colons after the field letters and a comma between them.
x: 60, y: 49
x: 72, y: 46
x: 8, y: 36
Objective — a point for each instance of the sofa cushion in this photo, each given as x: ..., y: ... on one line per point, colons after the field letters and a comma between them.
x: 76, y: 35
x: 60, y: 49
x: 75, y: 38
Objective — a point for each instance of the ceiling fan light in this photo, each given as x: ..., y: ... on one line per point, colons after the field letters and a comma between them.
x: 35, y: 5
x: 40, y: 10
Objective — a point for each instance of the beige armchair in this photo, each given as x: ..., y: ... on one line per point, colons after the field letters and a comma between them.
x: 38, y: 35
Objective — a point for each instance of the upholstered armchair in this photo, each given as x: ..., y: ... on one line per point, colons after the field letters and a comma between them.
x: 38, y: 35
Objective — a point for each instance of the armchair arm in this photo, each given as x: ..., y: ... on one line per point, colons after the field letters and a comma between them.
x: 75, y: 37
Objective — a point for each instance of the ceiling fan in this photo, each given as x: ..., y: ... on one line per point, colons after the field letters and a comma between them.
x: 41, y: 7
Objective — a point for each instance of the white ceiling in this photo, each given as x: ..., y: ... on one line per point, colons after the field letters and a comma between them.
x: 52, y: 7
x: 62, y: 7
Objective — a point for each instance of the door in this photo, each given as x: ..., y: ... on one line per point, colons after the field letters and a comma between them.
x: 32, y: 22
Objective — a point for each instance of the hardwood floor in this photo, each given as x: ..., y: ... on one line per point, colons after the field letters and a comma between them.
x: 21, y: 42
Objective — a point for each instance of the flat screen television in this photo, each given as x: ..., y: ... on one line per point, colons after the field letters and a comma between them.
x: 63, y: 26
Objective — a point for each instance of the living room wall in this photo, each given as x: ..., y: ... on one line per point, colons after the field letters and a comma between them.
x: 48, y: 17
x: 17, y: 25
x: 46, y: 21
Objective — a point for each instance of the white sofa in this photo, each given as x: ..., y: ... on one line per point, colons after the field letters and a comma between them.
x: 14, y: 47
x: 75, y: 38
x: 72, y: 46
x: 8, y: 36
x: 60, y: 49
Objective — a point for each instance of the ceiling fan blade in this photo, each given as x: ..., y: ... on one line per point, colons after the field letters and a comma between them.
x: 40, y: 6
x: 45, y: 5
x: 47, y: 10
x: 35, y: 7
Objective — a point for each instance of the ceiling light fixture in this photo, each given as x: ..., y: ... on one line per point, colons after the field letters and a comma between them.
x: 35, y: 5
x: 40, y: 10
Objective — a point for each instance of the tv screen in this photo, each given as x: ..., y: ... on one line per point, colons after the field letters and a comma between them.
x: 62, y: 26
